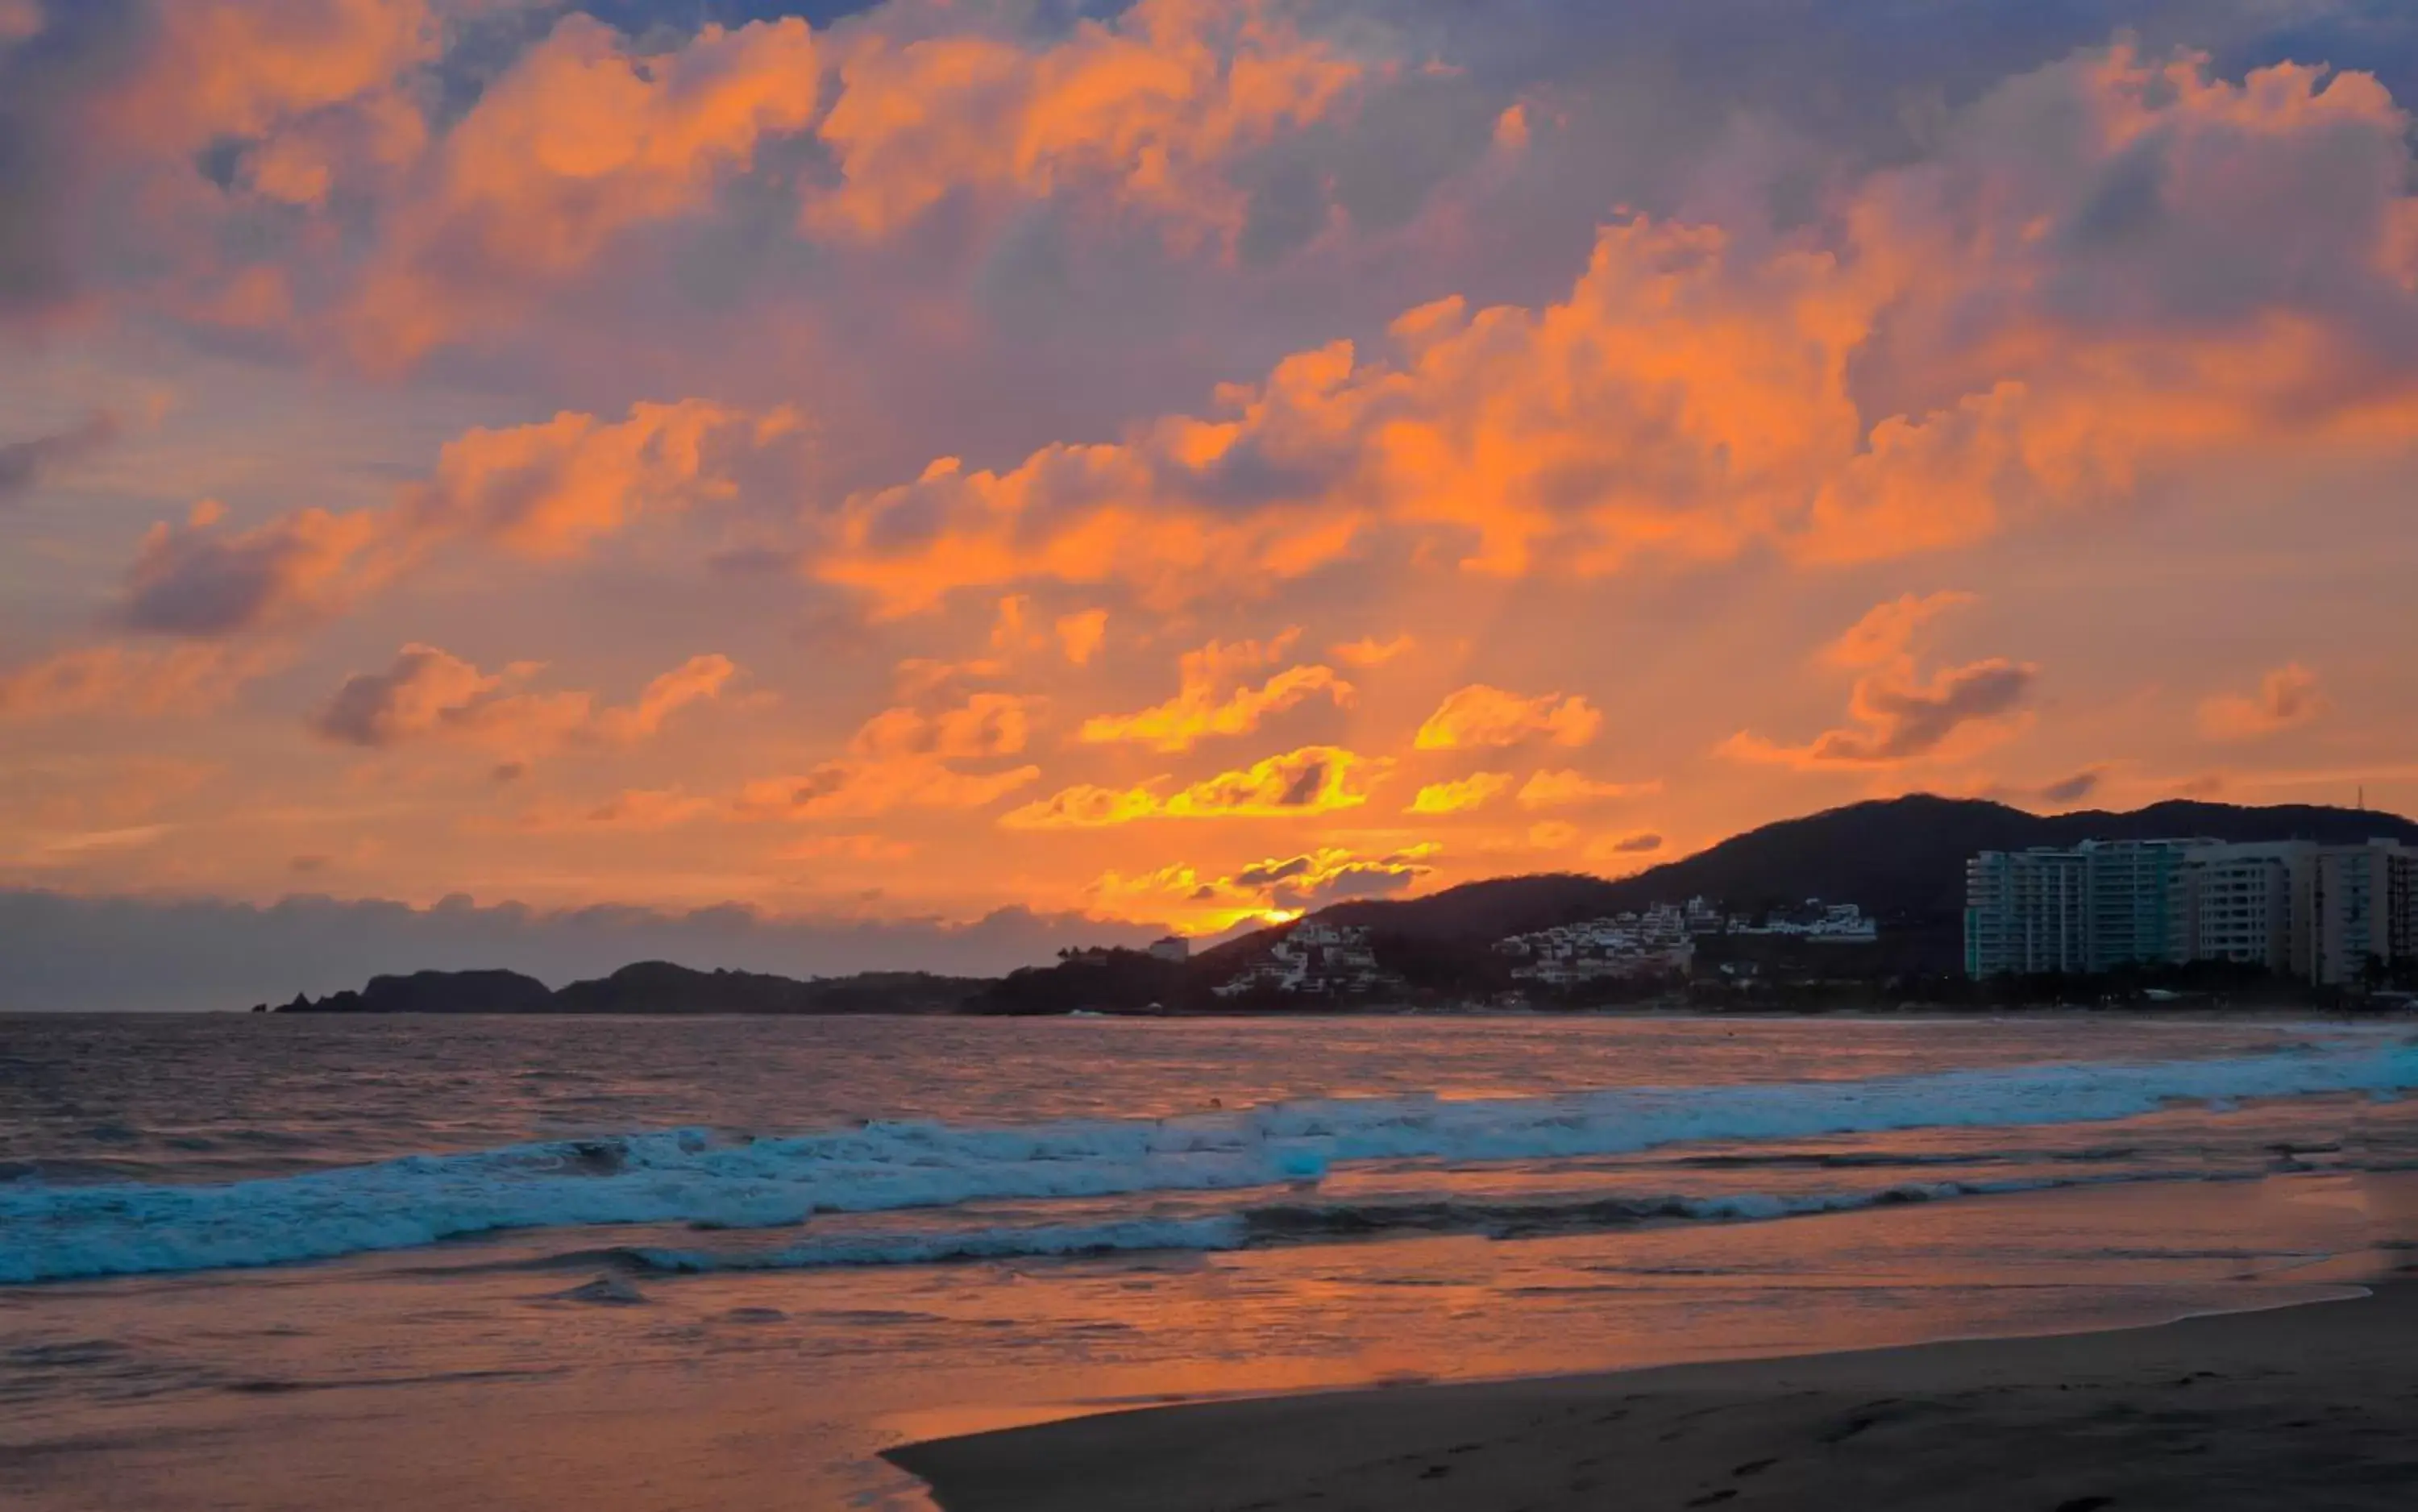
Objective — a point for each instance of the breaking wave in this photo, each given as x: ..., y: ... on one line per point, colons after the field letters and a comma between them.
x: 1305, y: 1223
x: 702, y: 1179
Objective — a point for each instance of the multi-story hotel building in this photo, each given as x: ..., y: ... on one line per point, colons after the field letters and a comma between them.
x: 2099, y: 906
x: 2299, y: 909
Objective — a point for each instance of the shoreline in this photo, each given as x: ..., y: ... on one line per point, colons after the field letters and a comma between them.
x: 2302, y: 1404
x: 1908, y: 1011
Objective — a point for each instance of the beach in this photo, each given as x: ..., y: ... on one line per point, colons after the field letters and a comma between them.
x: 591, y: 1266
x: 2312, y: 1405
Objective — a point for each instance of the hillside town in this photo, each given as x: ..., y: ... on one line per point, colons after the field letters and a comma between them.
x: 1319, y: 959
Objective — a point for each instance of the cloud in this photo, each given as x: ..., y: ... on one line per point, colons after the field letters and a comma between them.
x: 581, y: 139
x: 1147, y: 113
x: 1900, y: 716
x: 1483, y: 716
x: 545, y: 491
x: 1203, y: 708
x: 1901, y: 721
x: 2076, y: 788
x: 1624, y: 847
x: 1969, y: 340
x: 384, y: 178
x: 2288, y: 696
x: 636, y: 810
x: 863, y: 789
x: 1463, y: 795
x: 128, y: 681
x: 197, y: 580
x: 1080, y: 636
x: 1888, y: 631
x: 1317, y: 779
x: 245, y: 68
x: 24, y: 465
x: 986, y: 724
x: 1568, y: 789
x: 2063, y: 793
x: 869, y: 847
x: 1277, y: 887
x: 1370, y: 651
x: 429, y: 694
x: 900, y: 759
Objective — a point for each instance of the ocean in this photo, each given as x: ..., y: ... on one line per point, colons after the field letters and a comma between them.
x: 262, y: 1262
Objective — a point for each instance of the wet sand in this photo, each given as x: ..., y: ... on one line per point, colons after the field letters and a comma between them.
x: 2305, y: 1408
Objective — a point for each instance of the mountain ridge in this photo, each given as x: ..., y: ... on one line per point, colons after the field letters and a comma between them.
x: 1901, y: 860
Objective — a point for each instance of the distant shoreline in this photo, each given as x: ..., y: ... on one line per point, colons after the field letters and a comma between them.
x: 1909, y: 1010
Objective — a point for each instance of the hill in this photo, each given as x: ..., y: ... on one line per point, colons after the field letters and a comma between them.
x: 649, y: 987
x: 1900, y: 859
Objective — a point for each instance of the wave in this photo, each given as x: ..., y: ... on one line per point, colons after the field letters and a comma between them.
x: 697, y: 1177
x: 1309, y: 1222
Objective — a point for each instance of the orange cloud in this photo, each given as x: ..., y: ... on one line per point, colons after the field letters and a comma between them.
x: 637, y: 810
x: 1198, y: 712
x: 900, y: 759
x: 694, y: 680
x: 1276, y: 888
x: 1080, y: 636
x: 1692, y: 395
x: 1316, y: 779
x: 845, y: 847
x: 128, y: 681
x: 1887, y: 631
x: 1464, y: 796
x: 549, y: 490
x: 2288, y: 696
x: 1483, y: 716
x: 1901, y: 716
x: 1371, y: 651
x: 986, y: 724
x: 1147, y: 110
x: 581, y: 139
x: 1568, y: 789
x: 219, y: 69
x: 428, y: 692
x: 1899, y: 720
x: 863, y: 789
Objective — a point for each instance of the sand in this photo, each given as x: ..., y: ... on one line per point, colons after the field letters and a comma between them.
x: 2288, y: 1411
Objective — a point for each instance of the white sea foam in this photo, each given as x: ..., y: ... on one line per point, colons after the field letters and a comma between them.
x: 1224, y: 1231
x: 693, y: 1176
x: 1301, y: 1221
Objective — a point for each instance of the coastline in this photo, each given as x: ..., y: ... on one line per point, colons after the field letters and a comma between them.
x: 2302, y: 1406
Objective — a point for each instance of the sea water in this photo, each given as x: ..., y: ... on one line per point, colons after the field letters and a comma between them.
x: 719, y: 1262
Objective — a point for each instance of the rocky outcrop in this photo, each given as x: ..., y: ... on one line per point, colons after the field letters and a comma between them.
x: 646, y: 988
x: 436, y: 992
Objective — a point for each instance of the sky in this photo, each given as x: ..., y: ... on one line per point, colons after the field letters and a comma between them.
x: 942, y: 479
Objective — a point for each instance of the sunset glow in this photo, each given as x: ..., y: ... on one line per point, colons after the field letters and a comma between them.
x: 1179, y: 464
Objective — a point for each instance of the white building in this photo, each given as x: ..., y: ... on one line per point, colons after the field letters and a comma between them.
x: 1317, y: 960
x: 1656, y: 943
x: 2297, y: 908
x: 2363, y: 906
x: 2245, y: 901
x: 2099, y: 906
